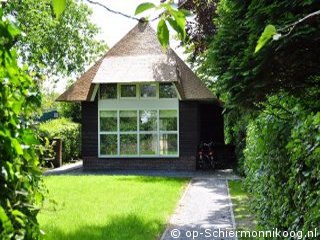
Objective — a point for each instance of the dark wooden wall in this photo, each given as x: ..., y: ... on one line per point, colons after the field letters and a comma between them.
x: 196, y: 122
x: 89, y: 111
x: 189, y: 128
x: 211, y: 118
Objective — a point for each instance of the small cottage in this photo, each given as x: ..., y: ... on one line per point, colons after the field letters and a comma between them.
x: 143, y: 108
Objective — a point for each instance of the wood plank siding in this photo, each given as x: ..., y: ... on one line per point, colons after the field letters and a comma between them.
x: 191, y: 115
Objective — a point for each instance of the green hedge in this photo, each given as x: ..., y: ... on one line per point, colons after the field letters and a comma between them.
x: 282, y: 164
x: 68, y: 131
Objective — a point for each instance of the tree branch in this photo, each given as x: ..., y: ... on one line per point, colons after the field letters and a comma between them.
x: 293, y: 25
x: 113, y: 11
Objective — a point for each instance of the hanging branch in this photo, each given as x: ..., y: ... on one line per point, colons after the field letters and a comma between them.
x: 113, y: 11
x: 292, y: 25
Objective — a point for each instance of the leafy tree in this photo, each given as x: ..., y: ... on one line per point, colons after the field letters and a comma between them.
x: 49, y: 100
x: 71, y: 111
x: 55, y: 47
x: 21, y: 186
x: 201, y: 29
x: 246, y: 77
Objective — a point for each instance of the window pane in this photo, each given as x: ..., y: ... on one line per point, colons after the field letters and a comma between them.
x: 108, y: 91
x: 148, y: 144
x: 168, y: 144
x: 108, y: 121
x: 128, y: 144
x: 128, y: 90
x: 148, y: 120
x: 108, y: 144
x: 148, y: 90
x: 128, y: 121
x: 168, y: 120
x: 167, y: 90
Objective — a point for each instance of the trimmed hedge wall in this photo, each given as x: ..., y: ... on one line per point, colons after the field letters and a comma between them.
x: 68, y: 131
x: 282, y: 164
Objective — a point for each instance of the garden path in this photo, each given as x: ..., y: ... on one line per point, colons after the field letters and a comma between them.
x: 204, y: 209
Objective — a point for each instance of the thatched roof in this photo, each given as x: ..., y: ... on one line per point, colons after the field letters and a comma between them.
x: 138, y: 57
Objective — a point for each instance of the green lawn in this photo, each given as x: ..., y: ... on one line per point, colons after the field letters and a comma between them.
x: 108, y: 207
x: 241, y: 207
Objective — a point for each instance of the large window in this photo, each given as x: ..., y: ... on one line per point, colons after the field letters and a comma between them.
x: 138, y: 120
x: 144, y: 133
x: 168, y: 132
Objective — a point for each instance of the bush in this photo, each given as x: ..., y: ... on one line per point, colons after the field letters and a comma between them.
x: 21, y: 186
x: 282, y: 165
x: 68, y: 131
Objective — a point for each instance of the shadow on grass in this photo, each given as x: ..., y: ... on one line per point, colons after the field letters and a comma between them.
x: 146, y: 179
x: 119, y: 228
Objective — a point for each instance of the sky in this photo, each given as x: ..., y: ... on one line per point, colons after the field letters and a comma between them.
x: 114, y: 27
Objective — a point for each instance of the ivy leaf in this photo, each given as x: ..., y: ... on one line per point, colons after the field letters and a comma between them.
x: 163, y: 33
x: 267, y: 34
x: 144, y: 7
x: 58, y: 7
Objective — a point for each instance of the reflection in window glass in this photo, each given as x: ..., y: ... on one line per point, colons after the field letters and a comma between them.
x: 148, y: 90
x: 108, y: 144
x: 148, y: 120
x: 167, y: 90
x: 108, y: 91
x: 128, y: 144
x: 128, y: 91
x: 108, y: 121
x: 148, y: 144
x: 128, y: 120
x: 168, y: 144
x: 168, y: 120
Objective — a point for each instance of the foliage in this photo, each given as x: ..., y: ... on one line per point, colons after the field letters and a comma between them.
x: 244, y: 77
x: 280, y: 137
x: 71, y: 110
x: 175, y: 18
x: 201, y: 29
x: 282, y: 164
x: 21, y: 185
x: 52, y: 47
x: 270, y: 32
x: 267, y: 34
x: 49, y: 100
x: 95, y: 207
x: 58, y: 7
x: 68, y: 131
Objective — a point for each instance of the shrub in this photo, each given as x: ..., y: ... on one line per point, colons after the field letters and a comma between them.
x: 21, y: 186
x: 68, y: 131
x: 282, y: 165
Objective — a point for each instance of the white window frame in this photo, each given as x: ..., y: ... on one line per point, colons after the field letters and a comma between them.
x: 138, y: 104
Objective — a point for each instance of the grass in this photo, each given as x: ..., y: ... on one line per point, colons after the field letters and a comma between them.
x: 108, y: 207
x: 241, y: 208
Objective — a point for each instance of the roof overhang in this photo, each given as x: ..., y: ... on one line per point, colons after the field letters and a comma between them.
x: 131, y: 69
